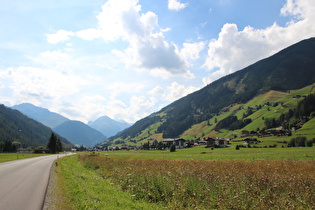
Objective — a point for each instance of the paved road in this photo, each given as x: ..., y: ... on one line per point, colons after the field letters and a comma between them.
x: 23, y: 183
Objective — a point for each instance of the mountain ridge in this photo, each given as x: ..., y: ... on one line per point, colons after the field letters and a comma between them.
x: 16, y: 126
x: 108, y: 126
x: 43, y: 115
x: 75, y: 131
x: 80, y: 133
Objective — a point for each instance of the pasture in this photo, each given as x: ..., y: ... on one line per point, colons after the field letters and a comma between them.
x: 196, y: 178
x: 4, y: 157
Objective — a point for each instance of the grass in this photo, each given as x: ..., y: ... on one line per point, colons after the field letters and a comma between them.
x: 198, y: 184
x: 81, y: 187
x: 195, y: 178
x: 4, y: 157
x: 202, y: 153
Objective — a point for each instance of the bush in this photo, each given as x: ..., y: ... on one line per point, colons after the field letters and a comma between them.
x: 310, y: 143
x: 173, y: 148
x: 298, y: 142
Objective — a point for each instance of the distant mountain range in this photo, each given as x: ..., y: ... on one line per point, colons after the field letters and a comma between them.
x: 80, y: 133
x: 290, y: 69
x: 108, y: 126
x: 15, y: 126
x: 48, y: 118
x: 75, y: 131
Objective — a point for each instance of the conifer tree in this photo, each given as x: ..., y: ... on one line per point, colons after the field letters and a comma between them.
x: 54, y: 144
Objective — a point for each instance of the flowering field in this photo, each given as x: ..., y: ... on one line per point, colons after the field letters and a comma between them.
x: 211, y: 184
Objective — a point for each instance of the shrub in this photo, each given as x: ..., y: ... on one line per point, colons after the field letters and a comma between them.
x: 298, y: 142
x: 173, y: 148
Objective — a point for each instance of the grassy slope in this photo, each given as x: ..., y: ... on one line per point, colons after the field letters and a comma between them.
x: 257, y: 117
x: 206, y: 129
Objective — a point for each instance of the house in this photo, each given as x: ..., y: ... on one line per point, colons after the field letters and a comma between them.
x: 217, y: 142
x: 25, y: 151
x: 202, y: 142
x: 251, y: 141
x: 245, y: 133
x: 179, y: 143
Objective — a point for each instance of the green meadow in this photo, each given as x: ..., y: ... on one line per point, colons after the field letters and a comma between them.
x: 4, y: 157
x: 230, y: 153
x: 194, y: 178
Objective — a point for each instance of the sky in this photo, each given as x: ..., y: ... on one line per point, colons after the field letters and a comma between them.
x: 129, y: 58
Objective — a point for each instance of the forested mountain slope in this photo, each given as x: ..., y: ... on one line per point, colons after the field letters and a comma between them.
x: 15, y: 126
x: 289, y: 69
x: 79, y: 133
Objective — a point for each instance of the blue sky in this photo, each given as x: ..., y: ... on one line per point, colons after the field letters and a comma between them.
x: 129, y: 58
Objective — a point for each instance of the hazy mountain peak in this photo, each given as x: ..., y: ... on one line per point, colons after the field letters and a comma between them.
x: 108, y: 126
x: 43, y: 115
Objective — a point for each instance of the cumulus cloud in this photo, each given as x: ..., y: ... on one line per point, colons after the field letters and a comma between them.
x: 176, y: 5
x: 36, y: 85
x: 138, y: 107
x: 59, y: 36
x: 147, y: 48
x: 235, y: 49
x: 191, y: 51
x: 117, y: 88
x: 173, y: 92
x: 176, y: 91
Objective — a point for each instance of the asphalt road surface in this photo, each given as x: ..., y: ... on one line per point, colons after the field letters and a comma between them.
x: 23, y: 183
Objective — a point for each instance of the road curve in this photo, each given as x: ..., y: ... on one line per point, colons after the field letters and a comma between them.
x: 23, y: 183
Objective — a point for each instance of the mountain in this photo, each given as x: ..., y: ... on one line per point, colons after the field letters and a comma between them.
x: 79, y: 133
x: 15, y: 126
x: 108, y: 126
x: 290, y: 69
x: 42, y: 115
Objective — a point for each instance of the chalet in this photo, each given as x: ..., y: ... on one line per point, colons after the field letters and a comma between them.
x: 217, y: 142
x: 245, y: 133
x: 251, y: 141
x: 179, y: 143
x: 25, y: 151
x: 202, y: 142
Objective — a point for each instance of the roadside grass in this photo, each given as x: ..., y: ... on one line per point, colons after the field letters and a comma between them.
x: 84, y: 188
x: 4, y: 157
x: 214, y: 184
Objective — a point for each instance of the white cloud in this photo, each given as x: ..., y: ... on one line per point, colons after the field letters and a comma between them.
x: 176, y: 91
x: 147, y: 50
x: 59, y: 36
x: 235, y: 49
x: 191, y: 51
x: 139, y: 107
x: 158, y: 90
x: 86, y: 107
x: 36, y: 85
x: 117, y: 88
x: 173, y: 92
x: 176, y: 5
x: 89, y: 34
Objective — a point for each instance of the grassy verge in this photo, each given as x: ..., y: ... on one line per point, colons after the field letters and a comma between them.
x: 4, y: 157
x: 79, y: 187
